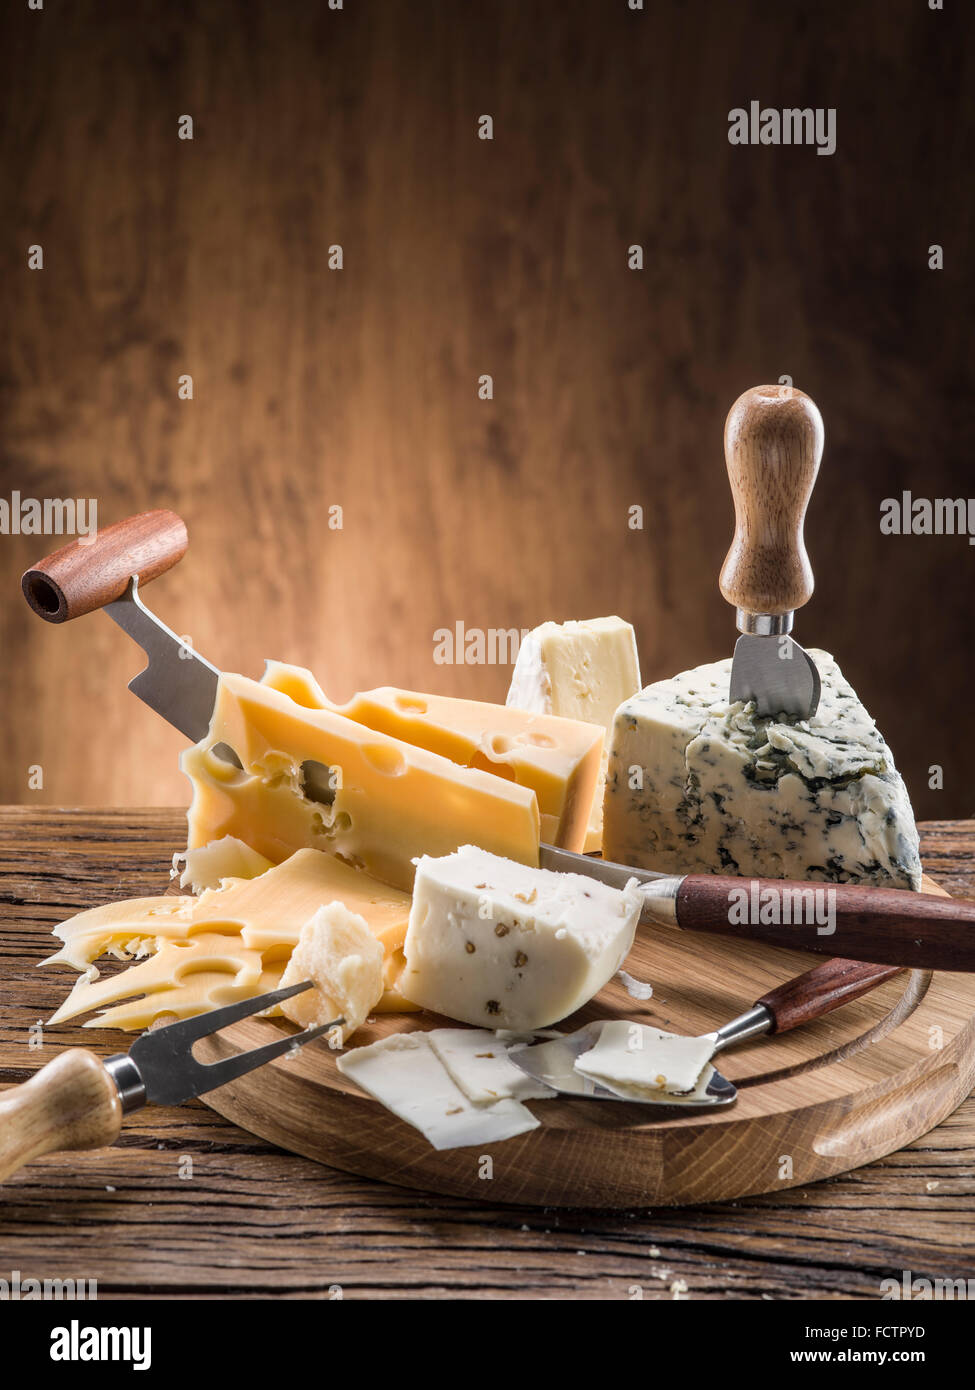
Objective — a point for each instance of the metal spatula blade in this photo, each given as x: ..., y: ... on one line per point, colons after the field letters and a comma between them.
x: 553, y: 1063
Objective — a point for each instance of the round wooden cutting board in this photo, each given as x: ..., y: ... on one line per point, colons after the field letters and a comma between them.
x: 830, y: 1096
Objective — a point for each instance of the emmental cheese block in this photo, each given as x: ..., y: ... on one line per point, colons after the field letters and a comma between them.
x: 558, y: 758
x: 697, y: 784
x: 231, y: 943
x: 379, y: 802
x: 580, y: 671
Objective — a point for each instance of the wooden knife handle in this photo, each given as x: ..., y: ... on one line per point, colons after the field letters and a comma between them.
x: 890, y: 926
x: 821, y: 990
x: 72, y: 1103
x: 83, y: 575
x: 773, y: 442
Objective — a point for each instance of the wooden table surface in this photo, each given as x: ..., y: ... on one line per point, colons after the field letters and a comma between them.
x: 186, y: 1205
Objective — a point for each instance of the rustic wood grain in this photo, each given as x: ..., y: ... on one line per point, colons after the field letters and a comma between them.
x: 252, y: 1221
x: 358, y: 388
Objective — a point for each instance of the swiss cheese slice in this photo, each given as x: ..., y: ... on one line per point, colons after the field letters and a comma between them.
x: 379, y: 802
x: 226, y: 944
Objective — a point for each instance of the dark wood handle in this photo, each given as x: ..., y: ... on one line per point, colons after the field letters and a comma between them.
x: 72, y: 1103
x: 83, y: 576
x: 821, y: 990
x: 773, y: 441
x: 890, y: 926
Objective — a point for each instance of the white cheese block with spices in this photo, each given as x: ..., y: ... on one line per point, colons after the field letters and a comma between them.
x: 697, y: 784
x: 503, y: 945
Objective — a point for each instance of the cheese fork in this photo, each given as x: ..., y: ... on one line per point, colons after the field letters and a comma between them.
x: 800, y: 1000
x: 77, y: 1101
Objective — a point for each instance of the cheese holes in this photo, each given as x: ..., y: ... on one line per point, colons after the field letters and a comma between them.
x: 410, y: 704
x: 385, y: 759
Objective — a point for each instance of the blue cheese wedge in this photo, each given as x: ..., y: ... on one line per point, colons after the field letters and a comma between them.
x: 697, y: 784
x: 502, y: 945
x: 639, y: 1062
x: 405, y: 1075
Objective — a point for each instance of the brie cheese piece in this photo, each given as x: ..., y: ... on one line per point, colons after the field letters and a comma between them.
x: 404, y: 1074
x: 578, y: 670
x: 503, y: 945
x: 699, y: 785
x: 635, y: 1060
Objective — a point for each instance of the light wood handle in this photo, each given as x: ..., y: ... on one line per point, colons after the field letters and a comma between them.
x: 81, y: 577
x: 821, y: 990
x: 72, y: 1103
x: 773, y: 443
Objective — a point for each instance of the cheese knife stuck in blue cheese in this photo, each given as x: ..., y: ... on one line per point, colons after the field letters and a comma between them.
x: 700, y: 784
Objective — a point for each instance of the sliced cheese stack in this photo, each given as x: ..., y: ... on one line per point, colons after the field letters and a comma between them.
x: 578, y: 670
x: 193, y: 954
x: 434, y: 1083
x: 699, y: 785
x: 501, y: 945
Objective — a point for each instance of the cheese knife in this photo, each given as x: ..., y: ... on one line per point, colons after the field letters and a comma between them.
x: 773, y: 442
x: 885, y: 925
x: 77, y: 1101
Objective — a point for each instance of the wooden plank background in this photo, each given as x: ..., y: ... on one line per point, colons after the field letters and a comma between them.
x: 358, y: 387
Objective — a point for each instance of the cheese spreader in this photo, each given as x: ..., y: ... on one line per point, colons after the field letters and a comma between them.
x: 886, y: 925
x: 773, y: 443
x: 809, y: 996
x: 77, y: 1101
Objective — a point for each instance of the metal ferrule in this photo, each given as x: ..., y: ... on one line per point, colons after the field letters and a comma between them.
x: 752, y: 1024
x: 763, y: 624
x: 660, y: 900
x: 128, y: 1081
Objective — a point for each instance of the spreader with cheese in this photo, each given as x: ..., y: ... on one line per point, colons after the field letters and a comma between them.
x: 503, y: 945
x: 700, y: 785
